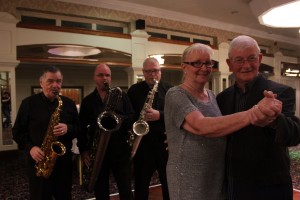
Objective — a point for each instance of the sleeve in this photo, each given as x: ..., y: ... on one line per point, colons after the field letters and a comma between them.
x: 287, y: 124
x: 129, y: 116
x: 177, y: 107
x: 20, y: 129
x: 82, y: 138
x: 73, y: 125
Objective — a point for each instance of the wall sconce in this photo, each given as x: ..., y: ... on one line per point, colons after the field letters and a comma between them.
x: 277, y: 13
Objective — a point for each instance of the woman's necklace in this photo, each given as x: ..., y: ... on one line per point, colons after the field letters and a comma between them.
x: 201, y: 95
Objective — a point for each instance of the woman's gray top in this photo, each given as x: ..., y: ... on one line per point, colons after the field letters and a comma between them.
x: 195, y: 169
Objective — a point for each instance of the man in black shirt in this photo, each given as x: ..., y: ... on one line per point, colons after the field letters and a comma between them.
x: 117, y: 153
x: 151, y: 154
x: 257, y: 159
x: 30, y: 129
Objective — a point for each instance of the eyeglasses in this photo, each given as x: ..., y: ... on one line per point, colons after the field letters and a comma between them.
x: 199, y: 64
x: 241, y: 60
x: 150, y: 71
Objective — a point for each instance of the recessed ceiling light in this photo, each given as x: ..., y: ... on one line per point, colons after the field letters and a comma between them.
x: 274, y: 13
x: 73, y: 50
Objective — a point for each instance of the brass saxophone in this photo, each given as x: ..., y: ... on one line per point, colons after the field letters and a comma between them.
x: 141, y: 127
x: 108, y: 122
x: 50, y: 146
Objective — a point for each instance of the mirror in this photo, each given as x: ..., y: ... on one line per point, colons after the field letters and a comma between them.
x: 6, y: 122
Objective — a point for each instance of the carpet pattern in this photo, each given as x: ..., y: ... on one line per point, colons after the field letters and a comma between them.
x: 14, y: 182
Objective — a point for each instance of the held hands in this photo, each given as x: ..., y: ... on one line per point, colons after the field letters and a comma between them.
x: 60, y: 129
x: 266, y: 111
x: 152, y: 115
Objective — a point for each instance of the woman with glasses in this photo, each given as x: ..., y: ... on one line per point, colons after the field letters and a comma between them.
x: 195, y: 129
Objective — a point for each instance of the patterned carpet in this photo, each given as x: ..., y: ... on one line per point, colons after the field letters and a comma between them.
x: 14, y: 182
x: 14, y: 185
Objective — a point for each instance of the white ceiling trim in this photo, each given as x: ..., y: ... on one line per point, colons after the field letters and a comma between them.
x: 177, y: 16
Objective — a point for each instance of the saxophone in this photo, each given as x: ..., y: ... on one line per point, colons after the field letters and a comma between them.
x: 141, y: 127
x: 108, y: 122
x: 50, y: 146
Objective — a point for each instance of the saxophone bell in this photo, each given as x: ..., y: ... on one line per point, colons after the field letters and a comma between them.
x: 108, y: 121
x: 58, y: 148
x: 140, y: 128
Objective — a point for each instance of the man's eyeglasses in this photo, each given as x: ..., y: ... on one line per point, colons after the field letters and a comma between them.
x: 199, y: 64
x: 241, y: 60
x: 150, y: 71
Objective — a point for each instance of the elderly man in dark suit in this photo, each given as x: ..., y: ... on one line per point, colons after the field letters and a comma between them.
x: 257, y: 159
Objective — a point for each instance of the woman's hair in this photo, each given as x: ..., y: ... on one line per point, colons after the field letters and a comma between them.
x: 196, y: 47
x: 242, y: 42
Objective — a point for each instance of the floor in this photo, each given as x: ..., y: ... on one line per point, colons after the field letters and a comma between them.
x: 13, y: 183
x: 155, y: 194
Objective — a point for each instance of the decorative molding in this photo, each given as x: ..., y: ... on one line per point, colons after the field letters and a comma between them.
x: 180, y: 17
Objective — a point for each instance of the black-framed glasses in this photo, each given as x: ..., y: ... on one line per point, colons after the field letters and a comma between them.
x: 241, y: 60
x: 150, y: 71
x: 199, y: 64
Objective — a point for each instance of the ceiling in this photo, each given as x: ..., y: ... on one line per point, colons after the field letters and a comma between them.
x: 231, y: 15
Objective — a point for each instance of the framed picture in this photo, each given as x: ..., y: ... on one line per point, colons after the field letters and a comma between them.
x: 73, y: 92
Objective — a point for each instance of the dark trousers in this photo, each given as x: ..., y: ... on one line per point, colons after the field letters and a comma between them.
x: 145, y: 164
x: 58, y: 186
x: 121, y: 170
x: 247, y: 191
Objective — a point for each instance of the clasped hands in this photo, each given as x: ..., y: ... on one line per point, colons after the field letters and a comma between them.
x: 266, y: 110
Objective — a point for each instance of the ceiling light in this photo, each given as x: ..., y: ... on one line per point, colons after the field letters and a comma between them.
x: 274, y: 13
x: 73, y: 50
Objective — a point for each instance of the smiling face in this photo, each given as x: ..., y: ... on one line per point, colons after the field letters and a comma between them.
x: 197, y: 65
x: 244, y: 59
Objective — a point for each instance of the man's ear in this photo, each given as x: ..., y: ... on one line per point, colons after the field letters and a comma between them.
x: 228, y: 63
x: 260, y: 57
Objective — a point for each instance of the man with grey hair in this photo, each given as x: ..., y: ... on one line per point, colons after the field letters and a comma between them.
x: 36, y: 114
x: 257, y: 160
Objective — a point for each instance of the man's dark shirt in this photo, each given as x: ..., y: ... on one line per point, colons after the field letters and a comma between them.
x: 33, y: 119
x: 92, y: 105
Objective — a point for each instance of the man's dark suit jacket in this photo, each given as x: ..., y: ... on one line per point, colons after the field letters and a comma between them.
x: 259, y: 155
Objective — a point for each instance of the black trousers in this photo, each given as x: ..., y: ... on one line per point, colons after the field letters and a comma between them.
x: 58, y: 186
x: 145, y: 164
x: 247, y: 191
x: 120, y: 166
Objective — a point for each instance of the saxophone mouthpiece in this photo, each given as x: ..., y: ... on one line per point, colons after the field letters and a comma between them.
x: 55, y: 92
x: 106, y: 86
